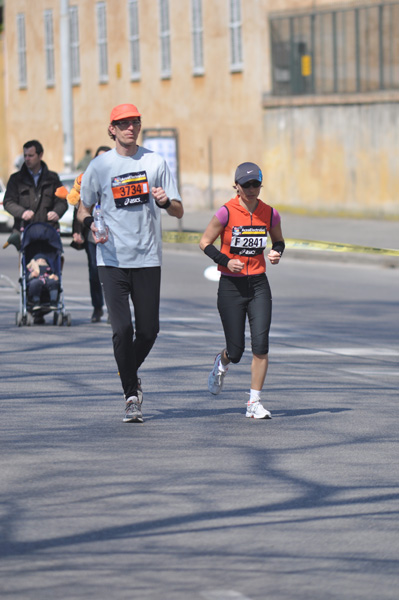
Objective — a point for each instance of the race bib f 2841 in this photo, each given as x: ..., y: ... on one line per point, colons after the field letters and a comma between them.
x: 130, y: 189
x: 248, y: 240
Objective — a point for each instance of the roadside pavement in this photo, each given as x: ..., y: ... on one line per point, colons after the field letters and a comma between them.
x: 374, y: 233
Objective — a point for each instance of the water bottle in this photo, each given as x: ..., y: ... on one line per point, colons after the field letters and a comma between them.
x: 99, y: 222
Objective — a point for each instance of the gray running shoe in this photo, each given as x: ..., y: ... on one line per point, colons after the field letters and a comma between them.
x: 216, y: 377
x: 139, y: 391
x: 133, y: 412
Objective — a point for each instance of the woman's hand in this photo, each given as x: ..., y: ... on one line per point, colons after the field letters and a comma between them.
x: 78, y: 238
x: 274, y: 257
x: 235, y: 265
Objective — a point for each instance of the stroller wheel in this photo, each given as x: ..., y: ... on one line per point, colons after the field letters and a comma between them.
x: 29, y: 319
x: 55, y: 318
x: 18, y: 319
x: 68, y: 319
x: 60, y: 319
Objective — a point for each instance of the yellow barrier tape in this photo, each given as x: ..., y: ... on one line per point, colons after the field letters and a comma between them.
x: 181, y: 237
x: 193, y: 237
x: 335, y: 247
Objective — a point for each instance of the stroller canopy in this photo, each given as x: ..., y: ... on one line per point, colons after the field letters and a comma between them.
x: 41, y: 232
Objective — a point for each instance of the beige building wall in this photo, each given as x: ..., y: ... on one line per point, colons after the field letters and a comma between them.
x: 222, y: 118
x: 341, y: 159
x: 3, y: 137
x: 218, y: 115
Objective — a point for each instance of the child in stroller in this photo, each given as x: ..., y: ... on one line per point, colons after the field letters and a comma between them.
x: 43, y: 284
x: 41, y: 276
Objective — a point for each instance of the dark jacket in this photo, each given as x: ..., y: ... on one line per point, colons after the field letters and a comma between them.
x: 21, y: 194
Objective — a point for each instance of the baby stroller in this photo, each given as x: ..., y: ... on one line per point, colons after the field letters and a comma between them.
x: 41, y: 239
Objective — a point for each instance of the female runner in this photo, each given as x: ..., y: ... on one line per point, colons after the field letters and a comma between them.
x: 243, y: 224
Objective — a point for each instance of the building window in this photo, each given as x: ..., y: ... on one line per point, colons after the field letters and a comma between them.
x: 74, y: 41
x: 336, y: 51
x: 236, y: 60
x: 102, y: 42
x: 21, y: 49
x: 134, y: 40
x: 49, y: 47
x: 197, y: 37
x: 164, y: 36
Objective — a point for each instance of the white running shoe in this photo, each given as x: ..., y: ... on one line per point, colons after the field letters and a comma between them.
x: 216, y: 377
x: 255, y: 410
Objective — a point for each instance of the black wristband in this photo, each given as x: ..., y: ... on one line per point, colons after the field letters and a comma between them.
x: 279, y: 247
x: 217, y: 257
x: 166, y: 205
x: 88, y: 221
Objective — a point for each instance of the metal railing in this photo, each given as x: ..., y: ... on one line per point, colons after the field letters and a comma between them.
x: 336, y: 51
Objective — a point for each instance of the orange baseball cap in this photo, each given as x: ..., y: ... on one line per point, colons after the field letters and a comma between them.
x: 124, y: 111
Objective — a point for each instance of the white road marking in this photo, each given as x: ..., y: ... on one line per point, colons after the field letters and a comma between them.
x: 223, y: 595
x: 361, y: 352
x: 371, y: 373
x: 211, y: 273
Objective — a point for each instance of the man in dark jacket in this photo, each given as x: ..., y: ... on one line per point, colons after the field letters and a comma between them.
x: 30, y: 194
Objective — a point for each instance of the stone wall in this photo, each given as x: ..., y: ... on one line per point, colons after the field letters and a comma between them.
x: 333, y: 157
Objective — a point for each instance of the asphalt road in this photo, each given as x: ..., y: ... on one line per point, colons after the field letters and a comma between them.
x: 200, y: 502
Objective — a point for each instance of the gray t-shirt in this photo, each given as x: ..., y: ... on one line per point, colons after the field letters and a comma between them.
x: 122, y: 184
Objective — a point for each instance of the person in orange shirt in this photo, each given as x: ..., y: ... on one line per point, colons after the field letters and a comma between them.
x: 83, y: 238
x: 244, y: 223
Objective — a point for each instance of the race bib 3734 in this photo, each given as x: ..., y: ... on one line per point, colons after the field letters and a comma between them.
x: 130, y: 189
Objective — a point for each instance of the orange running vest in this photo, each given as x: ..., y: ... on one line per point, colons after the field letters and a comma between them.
x: 244, y: 236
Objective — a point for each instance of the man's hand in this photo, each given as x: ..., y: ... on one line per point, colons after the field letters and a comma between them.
x: 52, y: 216
x: 27, y: 215
x: 160, y: 195
x: 174, y: 208
x: 100, y: 240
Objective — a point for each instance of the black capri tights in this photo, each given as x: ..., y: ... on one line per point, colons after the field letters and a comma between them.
x: 237, y: 298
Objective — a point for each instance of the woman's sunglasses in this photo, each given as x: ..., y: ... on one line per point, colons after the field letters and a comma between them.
x: 253, y: 183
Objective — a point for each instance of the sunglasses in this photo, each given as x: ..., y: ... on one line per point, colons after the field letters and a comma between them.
x: 253, y: 183
x: 125, y: 123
